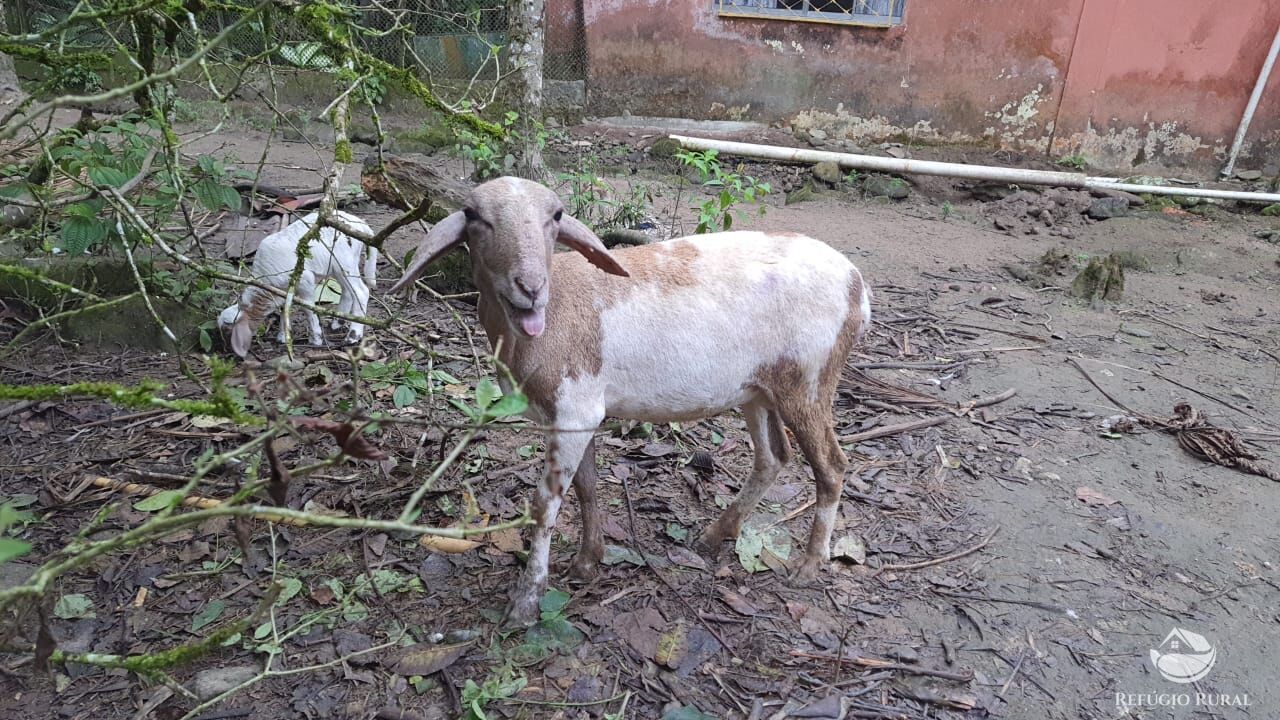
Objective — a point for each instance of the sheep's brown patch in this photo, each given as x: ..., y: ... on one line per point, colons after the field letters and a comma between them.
x: 580, y: 293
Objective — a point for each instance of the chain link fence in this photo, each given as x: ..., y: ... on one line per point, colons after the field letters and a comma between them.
x: 448, y: 43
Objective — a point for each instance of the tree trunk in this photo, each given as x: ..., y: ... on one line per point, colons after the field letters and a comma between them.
x: 526, y: 32
x: 10, y: 91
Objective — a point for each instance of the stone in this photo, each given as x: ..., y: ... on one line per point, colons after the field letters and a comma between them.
x: 887, y: 186
x: 800, y: 134
x: 1100, y: 280
x: 1107, y: 207
x: 801, y: 194
x: 664, y: 147
x: 816, y: 134
x: 213, y: 682
x: 1133, y: 200
x: 828, y: 172
x: 1249, y: 174
x: 895, y: 151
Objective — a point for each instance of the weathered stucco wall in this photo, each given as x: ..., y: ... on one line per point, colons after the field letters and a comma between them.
x: 1167, y: 80
x: 1142, y: 82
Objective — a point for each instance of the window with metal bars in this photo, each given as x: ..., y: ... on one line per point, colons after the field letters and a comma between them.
x: 875, y: 13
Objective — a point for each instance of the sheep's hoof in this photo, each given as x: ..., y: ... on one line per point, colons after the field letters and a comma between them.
x: 806, y: 575
x: 709, y: 544
x: 317, y: 342
x: 352, y: 339
x: 335, y: 324
x: 583, y: 568
x: 521, y: 612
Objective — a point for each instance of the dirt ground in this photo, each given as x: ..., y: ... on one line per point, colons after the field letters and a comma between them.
x: 1017, y: 561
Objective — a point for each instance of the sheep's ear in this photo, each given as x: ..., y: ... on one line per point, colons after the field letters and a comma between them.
x: 579, y: 237
x: 241, y: 335
x: 446, y: 233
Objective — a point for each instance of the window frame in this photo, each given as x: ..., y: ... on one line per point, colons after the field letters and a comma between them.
x: 725, y: 9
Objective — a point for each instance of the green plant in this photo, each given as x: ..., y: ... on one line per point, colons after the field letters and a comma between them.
x: 596, y: 203
x: 12, y: 517
x: 502, y: 684
x: 490, y: 157
x: 948, y: 209
x: 1075, y: 161
x: 409, y: 381
x: 735, y: 188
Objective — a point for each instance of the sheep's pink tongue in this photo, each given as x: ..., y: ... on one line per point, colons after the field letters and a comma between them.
x: 533, y: 322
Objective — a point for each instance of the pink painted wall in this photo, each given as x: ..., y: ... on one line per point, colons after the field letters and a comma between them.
x: 1135, y: 82
x: 1172, y: 75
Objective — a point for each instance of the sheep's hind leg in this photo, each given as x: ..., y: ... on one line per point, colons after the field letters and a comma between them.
x: 812, y: 425
x: 344, y: 306
x: 565, y: 451
x: 359, y: 306
x: 591, y: 548
x: 771, y: 453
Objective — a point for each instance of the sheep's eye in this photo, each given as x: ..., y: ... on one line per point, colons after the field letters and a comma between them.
x: 559, y: 214
x: 470, y: 214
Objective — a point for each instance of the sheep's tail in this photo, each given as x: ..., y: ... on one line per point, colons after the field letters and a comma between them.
x: 371, y: 267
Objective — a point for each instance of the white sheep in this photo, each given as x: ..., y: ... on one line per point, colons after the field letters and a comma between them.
x: 331, y: 255
x: 673, y: 331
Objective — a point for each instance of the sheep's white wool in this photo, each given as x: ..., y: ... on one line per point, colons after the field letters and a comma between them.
x: 672, y: 354
x: 333, y: 255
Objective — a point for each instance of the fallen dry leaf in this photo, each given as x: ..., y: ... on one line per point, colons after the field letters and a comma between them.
x: 424, y: 658
x: 447, y: 544
x: 684, y: 556
x: 507, y: 541
x: 671, y: 647
x: 1092, y: 497
x: 739, y: 604
x: 352, y: 443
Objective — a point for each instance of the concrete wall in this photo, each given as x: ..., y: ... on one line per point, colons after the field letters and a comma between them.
x: 1131, y: 83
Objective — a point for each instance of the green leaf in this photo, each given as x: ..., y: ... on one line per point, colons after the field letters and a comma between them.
x: 677, y: 532
x: 206, y: 340
x: 687, y: 712
x: 70, y: 607
x: 80, y: 234
x: 108, y: 176
x: 11, y: 548
x: 214, y: 197
x: 553, y: 602
x: 290, y: 587
x: 404, y: 396
x: 486, y: 392
x: 231, y: 197
x: 159, y: 501
x: 208, y: 614
x: 513, y: 404
x: 617, y: 554
x: 262, y: 631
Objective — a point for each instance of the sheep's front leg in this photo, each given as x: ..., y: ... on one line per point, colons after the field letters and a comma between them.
x: 565, y: 452
x: 591, y: 549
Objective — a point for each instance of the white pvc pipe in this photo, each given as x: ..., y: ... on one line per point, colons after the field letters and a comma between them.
x: 1249, y: 109
x: 958, y: 170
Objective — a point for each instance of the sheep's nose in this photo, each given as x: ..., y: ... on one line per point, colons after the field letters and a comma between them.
x: 529, y: 287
